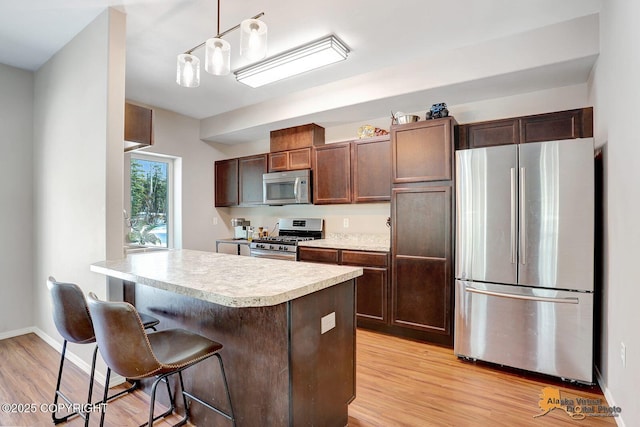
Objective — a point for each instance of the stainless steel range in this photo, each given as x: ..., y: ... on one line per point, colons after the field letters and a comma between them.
x: 285, y: 245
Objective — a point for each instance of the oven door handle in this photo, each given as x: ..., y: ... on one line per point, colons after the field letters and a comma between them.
x: 258, y: 253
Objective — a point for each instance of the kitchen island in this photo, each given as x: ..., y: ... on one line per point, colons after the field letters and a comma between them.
x: 288, y: 330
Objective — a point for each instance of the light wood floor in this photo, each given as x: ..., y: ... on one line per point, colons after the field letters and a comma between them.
x: 399, y: 383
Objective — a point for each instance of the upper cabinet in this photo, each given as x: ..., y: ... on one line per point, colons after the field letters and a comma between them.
x: 290, y: 160
x: 226, y: 182
x: 238, y: 182
x: 138, y: 127
x: 423, y: 151
x: 353, y: 172
x: 559, y: 125
x: 332, y: 174
x: 250, y: 171
x: 371, y: 165
x: 296, y: 137
x: 290, y: 148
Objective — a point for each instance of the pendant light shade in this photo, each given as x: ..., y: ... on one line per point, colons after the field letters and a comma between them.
x: 253, y: 39
x: 188, y: 72
x: 217, y: 57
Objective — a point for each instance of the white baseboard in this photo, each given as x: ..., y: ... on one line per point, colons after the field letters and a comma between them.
x: 70, y: 356
x: 17, y: 332
x: 607, y: 394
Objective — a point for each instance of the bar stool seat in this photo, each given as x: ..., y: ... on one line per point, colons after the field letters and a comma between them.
x: 131, y: 352
x: 73, y: 322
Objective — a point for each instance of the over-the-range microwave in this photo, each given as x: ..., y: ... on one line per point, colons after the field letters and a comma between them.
x: 287, y: 188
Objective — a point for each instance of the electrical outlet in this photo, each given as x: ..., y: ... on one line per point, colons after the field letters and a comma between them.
x: 345, y: 223
x: 623, y: 354
x: 215, y: 220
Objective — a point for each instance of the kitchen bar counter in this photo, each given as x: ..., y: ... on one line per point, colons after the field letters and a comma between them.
x: 288, y: 330
x: 225, y: 279
x: 356, y: 242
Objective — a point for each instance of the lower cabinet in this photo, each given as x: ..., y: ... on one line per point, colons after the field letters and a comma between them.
x: 371, y: 288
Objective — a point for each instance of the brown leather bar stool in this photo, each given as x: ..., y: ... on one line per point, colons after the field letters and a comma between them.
x: 72, y: 319
x: 131, y: 352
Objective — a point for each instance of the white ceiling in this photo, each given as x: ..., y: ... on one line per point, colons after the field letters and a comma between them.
x: 404, y: 55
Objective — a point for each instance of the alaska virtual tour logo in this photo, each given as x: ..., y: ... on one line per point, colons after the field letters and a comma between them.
x: 577, y: 408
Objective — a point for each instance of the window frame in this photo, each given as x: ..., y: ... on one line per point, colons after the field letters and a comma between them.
x: 172, y: 226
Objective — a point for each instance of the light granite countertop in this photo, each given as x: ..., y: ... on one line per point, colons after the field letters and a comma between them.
x: 229, y: 280
x: 357, y: 242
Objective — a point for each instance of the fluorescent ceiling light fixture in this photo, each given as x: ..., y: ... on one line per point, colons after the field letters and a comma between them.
x: 293, y: 62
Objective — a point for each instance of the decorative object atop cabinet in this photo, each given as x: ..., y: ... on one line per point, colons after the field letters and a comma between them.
x: 138, y: 127
x: 569, y: 124
x: 304, y: 136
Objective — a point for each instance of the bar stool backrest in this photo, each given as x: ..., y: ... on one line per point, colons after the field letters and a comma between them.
x: 122, y: 341
x: 70, y: 312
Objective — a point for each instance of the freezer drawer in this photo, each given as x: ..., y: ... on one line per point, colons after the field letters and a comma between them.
x: 535, y: 329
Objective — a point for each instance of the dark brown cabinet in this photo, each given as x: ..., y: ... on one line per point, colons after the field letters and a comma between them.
x: 226, y: 182
x: 332, y: 174
x: 293, y: 138
x: 290, y: 160
x: 138, y: 127
x: 422, y: 207
x: 238, y: 181
x: 372, y: 287
x: 554, y: 126
x: 422, y: 151
x: 371, y: 162
x: 421, y: 287
x: 250, y: 171
x: 290, y: 148
x: 487, y: 134
x: 353, y: 172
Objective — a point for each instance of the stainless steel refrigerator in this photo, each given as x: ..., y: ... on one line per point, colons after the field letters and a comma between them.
x: 525, y: 256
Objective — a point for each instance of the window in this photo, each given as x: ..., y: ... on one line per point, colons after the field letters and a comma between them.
x: 150, y: 221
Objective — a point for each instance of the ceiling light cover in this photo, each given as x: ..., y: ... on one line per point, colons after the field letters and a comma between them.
x: 188, y: 72
x: 253, y: 39
x: 293, y: 62
x: 217, y: 57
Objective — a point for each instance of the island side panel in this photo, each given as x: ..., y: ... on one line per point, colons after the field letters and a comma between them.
x: 323, y: 364
x: 255, y: 355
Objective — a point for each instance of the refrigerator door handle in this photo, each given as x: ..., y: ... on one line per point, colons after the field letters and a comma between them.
x: 523, y: 217
x: 522, y: 297
x: 513, y: 216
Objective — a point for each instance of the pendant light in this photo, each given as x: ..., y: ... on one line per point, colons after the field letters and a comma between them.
x: 253, y: 39
x: 253, y: 45
x: 217, y: 57
x: 188, y: 70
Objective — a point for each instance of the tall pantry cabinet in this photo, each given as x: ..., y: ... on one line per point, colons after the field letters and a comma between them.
x: 422, y: 209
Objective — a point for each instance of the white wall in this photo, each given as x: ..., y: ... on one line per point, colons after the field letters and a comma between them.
x: 16, y: 193
x: 78, y: 129
x: 616, y: 98
x: 178, y: 136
